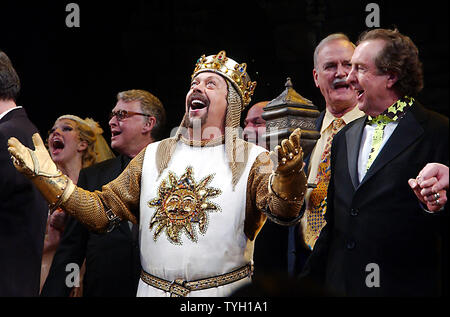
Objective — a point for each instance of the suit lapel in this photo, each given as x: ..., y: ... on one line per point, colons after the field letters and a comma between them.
x: 407, y: 131
x: 319, y: 121
x: 353, y: 140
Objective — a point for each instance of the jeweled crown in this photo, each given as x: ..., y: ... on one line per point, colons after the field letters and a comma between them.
x: 233, y: 71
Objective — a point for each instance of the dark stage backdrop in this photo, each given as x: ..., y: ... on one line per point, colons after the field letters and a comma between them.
x: 154, y: 45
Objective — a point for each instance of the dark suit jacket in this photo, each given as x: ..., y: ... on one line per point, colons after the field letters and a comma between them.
x: 297, y: 252
x: 112, y: 259
x: 271, y: 247
x: 380, y: 220
x: 23, y: 214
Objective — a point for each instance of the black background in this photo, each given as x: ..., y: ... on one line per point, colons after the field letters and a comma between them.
x: 154, y: 45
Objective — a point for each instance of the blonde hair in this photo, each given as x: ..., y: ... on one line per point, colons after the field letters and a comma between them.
x: 91, y: 132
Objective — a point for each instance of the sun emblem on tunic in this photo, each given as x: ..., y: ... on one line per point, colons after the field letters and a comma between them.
x: 181, y: 205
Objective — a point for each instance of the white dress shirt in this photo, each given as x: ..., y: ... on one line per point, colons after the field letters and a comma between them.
x: 366, y: 145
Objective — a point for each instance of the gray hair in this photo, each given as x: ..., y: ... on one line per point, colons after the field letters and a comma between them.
x: 330, y: 38
x: 151, y: 105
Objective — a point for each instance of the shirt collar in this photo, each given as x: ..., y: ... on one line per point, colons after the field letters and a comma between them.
x: 348, y: 117
x: 395, y: 112
x: 8, y: 111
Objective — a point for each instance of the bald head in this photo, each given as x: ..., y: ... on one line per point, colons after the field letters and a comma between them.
x: 255, y: 125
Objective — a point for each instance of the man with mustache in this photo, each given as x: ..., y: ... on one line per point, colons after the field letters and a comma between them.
x: 380, y: 240
x: 203, y: 195
x: 331, y: 67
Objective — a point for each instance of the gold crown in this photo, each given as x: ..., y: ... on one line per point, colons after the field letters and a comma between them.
x: 233, y: 71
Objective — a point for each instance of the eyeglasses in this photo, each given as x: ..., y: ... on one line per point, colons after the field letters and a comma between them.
x: 123, y: 114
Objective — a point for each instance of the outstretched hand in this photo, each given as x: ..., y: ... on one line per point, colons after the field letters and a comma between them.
x: 29, y: 162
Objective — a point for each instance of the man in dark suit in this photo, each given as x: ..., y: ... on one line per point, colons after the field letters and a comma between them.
x: 23, y: 211
x: 112, y: 259
x: 331, y: 67
x: 379, y: 239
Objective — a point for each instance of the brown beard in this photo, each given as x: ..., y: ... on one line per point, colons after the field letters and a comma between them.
x: 190, y: 123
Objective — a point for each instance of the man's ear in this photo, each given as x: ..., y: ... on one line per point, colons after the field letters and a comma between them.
x: 315, y: 77
x: 391, y: 80
x: 148, y: 126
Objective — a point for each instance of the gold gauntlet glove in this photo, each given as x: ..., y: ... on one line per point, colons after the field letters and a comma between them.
x: 288, y: 182
x: 39, y: 167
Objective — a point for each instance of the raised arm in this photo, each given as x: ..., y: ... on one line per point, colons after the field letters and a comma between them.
x: 93, y: 209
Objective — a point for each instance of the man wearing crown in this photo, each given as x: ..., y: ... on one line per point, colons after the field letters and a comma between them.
x: 203, y: 195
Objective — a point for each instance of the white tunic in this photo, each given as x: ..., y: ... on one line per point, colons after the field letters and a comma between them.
x: 222, y: 248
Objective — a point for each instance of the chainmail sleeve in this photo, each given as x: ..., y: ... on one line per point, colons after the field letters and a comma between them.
x: 100, y: 210
x: 261, y: 203
x: 257, y: 195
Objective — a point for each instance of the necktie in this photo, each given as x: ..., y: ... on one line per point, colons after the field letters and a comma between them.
x: 377, y: 138
x: 391, y: 114
x: 318, y: 199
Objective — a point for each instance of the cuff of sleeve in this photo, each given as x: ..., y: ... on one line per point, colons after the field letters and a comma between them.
x: 434, y: 213
x: 282, y: 220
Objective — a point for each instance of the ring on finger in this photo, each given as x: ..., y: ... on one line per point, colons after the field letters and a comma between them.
x: 436, y: 196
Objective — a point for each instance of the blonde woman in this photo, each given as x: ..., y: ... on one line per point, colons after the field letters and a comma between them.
x: 73, y: 144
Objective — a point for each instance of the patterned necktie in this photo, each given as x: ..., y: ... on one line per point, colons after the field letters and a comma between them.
x: 391, y: 114
x: 377, y: 138
x: 318, y: 198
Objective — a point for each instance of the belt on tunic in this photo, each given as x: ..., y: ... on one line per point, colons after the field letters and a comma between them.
x: 180, y: 287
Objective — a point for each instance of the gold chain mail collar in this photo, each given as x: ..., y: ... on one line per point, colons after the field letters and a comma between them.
x: 203, y: 143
